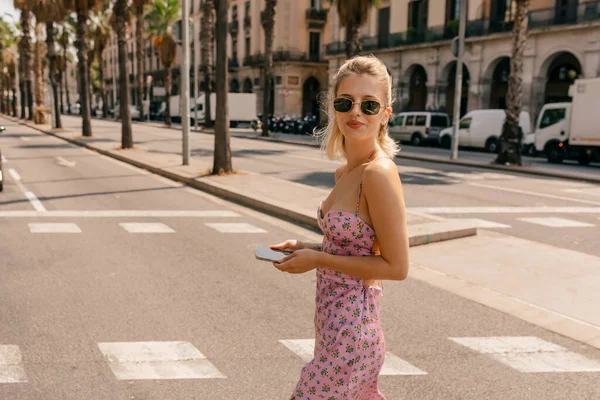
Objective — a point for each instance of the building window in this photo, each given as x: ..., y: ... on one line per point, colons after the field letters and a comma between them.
x: 234, y: 44
x: 452, y: 10
x: 418, y: 11
x: 314, y: 46
x: 247, y: 47
x: 383, y: 23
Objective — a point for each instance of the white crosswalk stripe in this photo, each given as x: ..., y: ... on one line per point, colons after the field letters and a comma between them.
x: 146, y: 227
x: 556, y: 222
x: 53, y: 228
x: 529, y: 354
x: 235, y: 228
x: 157, y: 360
x: 393, y: 365
x: 11, y: 364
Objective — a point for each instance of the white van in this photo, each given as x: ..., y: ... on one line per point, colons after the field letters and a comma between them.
x: 482, y: 129
x: 418, y: 127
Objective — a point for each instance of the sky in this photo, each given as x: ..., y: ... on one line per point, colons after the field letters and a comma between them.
x: 6, y: 6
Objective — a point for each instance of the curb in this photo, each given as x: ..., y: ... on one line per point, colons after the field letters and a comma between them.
x: 433, y: 159
x: 418, y: 234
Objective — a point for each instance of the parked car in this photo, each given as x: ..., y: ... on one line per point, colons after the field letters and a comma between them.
x: 75, y: 109
x: 133, y: 109
x: 418, y: 127
x: 482, y: 129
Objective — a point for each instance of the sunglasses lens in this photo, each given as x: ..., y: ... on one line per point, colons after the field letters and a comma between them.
x: 342, y: 105
x: 370, y: 107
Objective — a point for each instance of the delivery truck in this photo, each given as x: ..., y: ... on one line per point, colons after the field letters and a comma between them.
x: 571, y: 131
x: 242, y: 108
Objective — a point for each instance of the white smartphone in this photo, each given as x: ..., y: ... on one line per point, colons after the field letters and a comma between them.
x: 264, y: 253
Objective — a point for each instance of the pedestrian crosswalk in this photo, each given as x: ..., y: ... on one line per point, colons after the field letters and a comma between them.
x: 142, y: 227
x: 156, y: 360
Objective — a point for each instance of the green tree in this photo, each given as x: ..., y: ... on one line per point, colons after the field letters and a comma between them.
x: 353, y: 14
x: 122, y: 18
x: 25, y: 56
x: 161, y: 15
x: 207, y: 35
x: 222, y: 152
x: 268, y: 23
x: 139, y: 8
x: 512, y: 134
x: 83, y: 8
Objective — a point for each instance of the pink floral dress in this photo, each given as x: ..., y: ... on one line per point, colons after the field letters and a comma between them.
x: 349, y: 342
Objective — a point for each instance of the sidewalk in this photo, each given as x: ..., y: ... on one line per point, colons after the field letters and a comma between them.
x: 557, y: 289
x: 284, y: 199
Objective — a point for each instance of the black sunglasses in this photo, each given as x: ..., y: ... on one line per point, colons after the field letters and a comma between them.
x: 368, y: 107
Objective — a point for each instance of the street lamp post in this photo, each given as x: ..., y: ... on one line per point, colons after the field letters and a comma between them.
x: 185, y: 82
x: 460, y: 49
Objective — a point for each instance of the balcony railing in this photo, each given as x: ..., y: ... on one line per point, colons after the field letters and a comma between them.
x: 283, y: 56
x: 233, y: 27
x: 585, y: 12
x: 233, y: 64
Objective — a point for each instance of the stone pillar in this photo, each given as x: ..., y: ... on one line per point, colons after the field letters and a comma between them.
x: 441, y: 88
x: 403, y: 93
x: 538, y: 92
x: 431, y: 104
x: 485, y: 95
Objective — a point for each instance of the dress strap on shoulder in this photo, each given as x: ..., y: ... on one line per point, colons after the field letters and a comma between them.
x: 360, y: 185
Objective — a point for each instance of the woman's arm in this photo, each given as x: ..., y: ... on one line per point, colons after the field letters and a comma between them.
x: 383, y: 192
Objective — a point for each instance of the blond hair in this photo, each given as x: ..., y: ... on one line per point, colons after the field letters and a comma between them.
x: 332, y: 140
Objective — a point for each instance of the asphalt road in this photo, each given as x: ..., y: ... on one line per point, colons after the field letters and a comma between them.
x: 93, y: 314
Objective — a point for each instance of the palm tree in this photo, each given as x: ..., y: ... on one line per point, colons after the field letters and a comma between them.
x: 83, y: 8
x: 25, y: 55
x: 48, y: 12
x: 222, y: 153
x: 138, y: 8
x: 207, y: 62
x: 122, y: 18
x: 65, y: 40
x: 38, y: 73
x: 512, y: 134
x: 268, y: 23
x: 7, y: 60
x: 161, y: 16
x: 353, y: 14
x: 101, y: 38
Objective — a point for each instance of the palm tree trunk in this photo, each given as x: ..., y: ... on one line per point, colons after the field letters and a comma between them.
x: 512, y: 134
x: 222, y: 153
x: 352, y: 40
x: 103, y: 90
x: 139, y: 54
x: 52, y: 67
x: 268, y: 25
x: 84, y: 87
x: 26, y: 59
x: 14, y: 102
x: 207, y: 39
x: 40, y: 116
x: 60, y: 92
x: 2, y: 100
x: 67, y: 80
x: 168, y: 83
x: 126, y: 135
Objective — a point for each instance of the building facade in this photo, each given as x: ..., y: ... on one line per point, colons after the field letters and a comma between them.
x: 299, y: 65
x: 413, y: 38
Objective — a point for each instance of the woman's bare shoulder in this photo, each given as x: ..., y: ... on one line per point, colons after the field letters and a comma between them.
x: 339, y: 171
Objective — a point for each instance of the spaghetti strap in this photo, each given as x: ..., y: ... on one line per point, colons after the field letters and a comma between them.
x: 360, y: 185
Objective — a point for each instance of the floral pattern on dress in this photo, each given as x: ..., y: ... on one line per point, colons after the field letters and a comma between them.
x: 349, y: 342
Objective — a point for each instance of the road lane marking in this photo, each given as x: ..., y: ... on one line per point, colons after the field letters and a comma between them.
x: 556, y: 222
x: 157, y: 360
x: 393, y: 365
x: 53, y: 228
x: 505, y: 210
x: 235, y: 228
x: 3, y: 159
x: 146, y: 227
x: 25, y: 139
x: 11, y: 364
x: 35, y: 202
x: 483, y: 223
x: 527, y: 192
x: 529, y: 354
x: 121, y: 214
x: 15, y: 175
x: 65, y: 163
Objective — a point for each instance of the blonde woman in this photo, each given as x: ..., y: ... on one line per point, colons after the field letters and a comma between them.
x: 365, y: 238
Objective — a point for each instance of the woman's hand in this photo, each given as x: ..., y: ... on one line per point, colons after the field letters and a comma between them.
x: 300, y: 261
x: 288, y: 245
